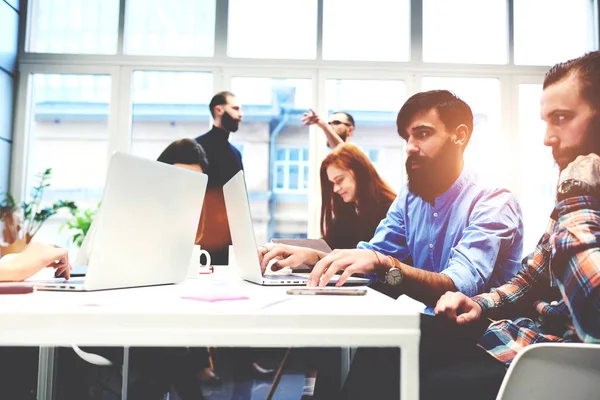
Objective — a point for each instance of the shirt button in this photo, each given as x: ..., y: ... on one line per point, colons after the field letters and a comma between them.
x: 435, y: 214
x: 431, y: 245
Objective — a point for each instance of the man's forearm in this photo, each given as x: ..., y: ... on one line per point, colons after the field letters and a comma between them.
x: 333, y: 138
x: 423, y: 286
x: 12, y: 270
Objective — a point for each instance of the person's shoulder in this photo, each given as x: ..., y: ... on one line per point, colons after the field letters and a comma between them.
x: 235, y: 150
x: 482, y: 195
x: 202, y: 138
x: 405, y: 196
x: 205, y: 137
x: 484, y: 188
x: 403, y: 192
x: 487, y: 197
x: 387, y: 202
x: 400, y: 202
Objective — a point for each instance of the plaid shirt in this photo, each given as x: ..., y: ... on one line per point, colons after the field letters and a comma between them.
x: 557, y: 293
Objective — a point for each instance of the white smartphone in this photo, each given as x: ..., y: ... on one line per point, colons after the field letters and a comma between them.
x: 328, y: 291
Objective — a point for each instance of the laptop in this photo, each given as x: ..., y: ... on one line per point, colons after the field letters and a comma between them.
x: 144, y: 232
x: 244, y: 242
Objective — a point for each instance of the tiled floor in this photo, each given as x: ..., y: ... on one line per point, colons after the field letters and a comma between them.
x: 291, y: 387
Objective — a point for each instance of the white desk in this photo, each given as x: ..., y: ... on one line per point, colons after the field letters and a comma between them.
x: 158, y: 316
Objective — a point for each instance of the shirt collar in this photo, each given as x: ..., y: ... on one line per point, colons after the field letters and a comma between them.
x: 219, y: 133
x: 453, y: 191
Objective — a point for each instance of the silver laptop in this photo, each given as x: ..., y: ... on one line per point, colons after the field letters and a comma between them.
x: 144, y: 233
x: 244, y: 242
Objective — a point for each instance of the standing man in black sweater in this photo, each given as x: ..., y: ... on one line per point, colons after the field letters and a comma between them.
x: 225, y: 161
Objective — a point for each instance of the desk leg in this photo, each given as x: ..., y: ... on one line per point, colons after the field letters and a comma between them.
x: 409, y: 372
x: 125, y: 378
x: 346, y: 361
x: 45, y: 382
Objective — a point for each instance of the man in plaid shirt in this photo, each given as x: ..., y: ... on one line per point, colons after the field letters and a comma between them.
x: 556, y: 296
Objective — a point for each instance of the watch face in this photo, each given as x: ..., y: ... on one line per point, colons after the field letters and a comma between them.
x: 394, y: 277
x: 567, y: 185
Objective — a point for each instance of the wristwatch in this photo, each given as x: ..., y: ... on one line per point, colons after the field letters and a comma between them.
x: 393, y: 277
x: 573, y: 187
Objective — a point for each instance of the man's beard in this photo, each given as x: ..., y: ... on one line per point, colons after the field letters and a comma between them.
x: 433, y: 176
x: 591, y: 144
x: 229, y: 124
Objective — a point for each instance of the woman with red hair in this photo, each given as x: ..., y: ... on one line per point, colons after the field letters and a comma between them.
x: 354, y: 197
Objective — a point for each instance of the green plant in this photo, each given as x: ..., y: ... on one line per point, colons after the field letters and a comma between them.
x: 80, y: 224
x: 26, y: 219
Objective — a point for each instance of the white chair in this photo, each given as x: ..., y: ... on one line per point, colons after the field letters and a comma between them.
x: 553, y: 371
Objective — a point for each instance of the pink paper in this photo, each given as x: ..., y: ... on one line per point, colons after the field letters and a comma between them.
x: 215, y: 297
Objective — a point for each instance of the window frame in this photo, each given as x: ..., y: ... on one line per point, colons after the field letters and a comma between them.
x: 120, y: 67
x: 287, y: 164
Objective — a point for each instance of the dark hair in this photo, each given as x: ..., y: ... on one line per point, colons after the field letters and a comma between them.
x: 350, y: 117
x: 218, y: 100
x: 587, y: 68
x: 451, y: 109
x: 184, y: 151
x: 371, y: 190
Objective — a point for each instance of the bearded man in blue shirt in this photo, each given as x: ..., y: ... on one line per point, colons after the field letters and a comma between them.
x: 461, y: 235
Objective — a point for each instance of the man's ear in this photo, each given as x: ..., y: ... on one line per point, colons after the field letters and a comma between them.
x: 218, y: 110
x: 461, y: 135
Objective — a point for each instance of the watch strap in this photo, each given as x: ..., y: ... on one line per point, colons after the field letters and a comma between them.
x: 572, y: 188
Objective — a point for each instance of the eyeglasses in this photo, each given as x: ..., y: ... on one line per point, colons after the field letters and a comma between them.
x: 336, y: 123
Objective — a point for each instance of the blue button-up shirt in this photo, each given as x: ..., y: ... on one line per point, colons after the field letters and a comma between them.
x: 471, y: 233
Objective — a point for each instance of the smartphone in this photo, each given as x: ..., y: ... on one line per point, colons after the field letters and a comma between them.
x: 329, y: 291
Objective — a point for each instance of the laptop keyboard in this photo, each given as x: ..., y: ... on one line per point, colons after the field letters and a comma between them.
x: 74, y: 281
x: 284, y: 277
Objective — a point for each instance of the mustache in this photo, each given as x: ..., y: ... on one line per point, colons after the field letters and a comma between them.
x: 415, y: 158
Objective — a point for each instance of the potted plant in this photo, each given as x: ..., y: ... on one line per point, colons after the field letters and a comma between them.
x: 22, y: 221
x: 80, y: 224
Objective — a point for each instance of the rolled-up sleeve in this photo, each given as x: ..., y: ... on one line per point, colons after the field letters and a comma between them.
x: 495, y: 229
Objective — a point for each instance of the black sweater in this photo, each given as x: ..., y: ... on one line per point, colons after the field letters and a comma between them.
x: 224, y: 161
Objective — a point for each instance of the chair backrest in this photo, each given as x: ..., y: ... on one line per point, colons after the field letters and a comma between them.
x: 553, y: 371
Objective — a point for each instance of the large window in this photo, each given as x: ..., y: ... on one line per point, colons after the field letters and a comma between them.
x: 465, y: 31
x: 359, y: 30
x: 272, y: 29
x: 291, y: 170
x: 539, y: 174
x: 170, y: 27
x: 165, y: 109
x: 373, y: 155
x: 559, y: 31
x: 271, y: 130
x: 163, y: 61
x: 73, y: 26
x: 68, y: 133
x: 487, y: 151
x: 374, y: 105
